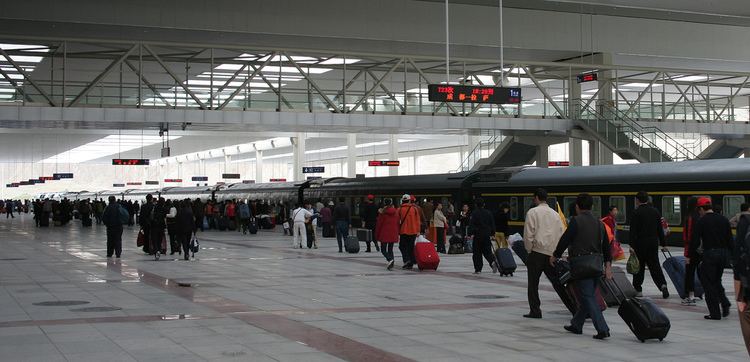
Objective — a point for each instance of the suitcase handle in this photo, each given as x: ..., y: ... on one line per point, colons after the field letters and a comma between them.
x: 667, y: 254
x: 624, y: 297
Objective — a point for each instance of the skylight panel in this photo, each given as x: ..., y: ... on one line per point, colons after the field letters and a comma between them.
x: 25, y: 47
x: 106, y: 146
x: 339, y: 61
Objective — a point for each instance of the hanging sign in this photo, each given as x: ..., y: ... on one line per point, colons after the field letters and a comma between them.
x: 172, y: 180
x: 118, y: 185
x: 152, y: 182
x: 315, y: 169
x: 586, y: 77
x: 473, y: 94
x: 135, y: 183
x: 46, y: 178
x: 230, y: 176
x: 248, y: 181
x: 199, y: 178
x: 277, y: 180
x: 383, y: 163
x: 558, y: 163
x: 60, y: 176
x: 130, y: 162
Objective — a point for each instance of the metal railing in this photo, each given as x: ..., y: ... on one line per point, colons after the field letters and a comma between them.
x: 483, y: 149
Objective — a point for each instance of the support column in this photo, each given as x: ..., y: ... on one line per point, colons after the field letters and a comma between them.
x: 393, y: 154
x: 298, y: 157
x: 575, y: 152
x: 599, y: 154
x: 542, y: 156
x: 351, y: 155
x: 574, y: 98
x: 258, y: 166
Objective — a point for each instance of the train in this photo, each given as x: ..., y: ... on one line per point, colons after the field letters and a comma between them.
x: 670, y: 185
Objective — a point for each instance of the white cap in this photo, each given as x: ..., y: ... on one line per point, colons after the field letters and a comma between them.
x: 405, y: 197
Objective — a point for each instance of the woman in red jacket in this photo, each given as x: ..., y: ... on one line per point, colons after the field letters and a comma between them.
x: 386, y: 230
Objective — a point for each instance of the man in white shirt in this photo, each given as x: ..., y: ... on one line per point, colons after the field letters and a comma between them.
x: 541, y: 232
x: 299, y: 216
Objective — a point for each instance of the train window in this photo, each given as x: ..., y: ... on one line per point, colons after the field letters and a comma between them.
x: 528, y: 203
x: 732, y: 204
x: 619, y: 202
x: 596, y: 209
x: 552, y: 202
x: 513, y: 208
x: 670, y: 209
x: 569, y: 203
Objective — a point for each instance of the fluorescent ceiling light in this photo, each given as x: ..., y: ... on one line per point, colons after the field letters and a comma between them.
x: 339, y: 61
x: 103, y: 147
x: 284, y: 58
x: 7, y: 90
x: 640, y: 85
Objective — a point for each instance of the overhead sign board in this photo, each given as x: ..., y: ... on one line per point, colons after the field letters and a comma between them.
x: 130, y: 162
x: 558, y: 163
x: 248, y: 181
x: 118, y: 185
x: 314, y: 177
x: 46, y: 178
x: 36, y: 181
x: 199, y: 178
x: 473, y: 94
x: 315, y: 169
x: 172, y: 180
x: 60, y: 176
x: 230, y: 175
x: 135, y: 183
x: 277, y: 180
x: 152, y: 182
x: 587, y: 77
x: 383, y: 163
x: 24, y: 183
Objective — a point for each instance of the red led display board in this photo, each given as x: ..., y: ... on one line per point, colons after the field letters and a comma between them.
x: 587, y: 77
x: 558, y: 163
x: 277, y: 180
x: 473, y: 94
x: 173, y: 180
x: 130, y: 162
x: 383, y: 163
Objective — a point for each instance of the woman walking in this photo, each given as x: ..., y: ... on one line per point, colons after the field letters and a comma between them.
x: 440, y: 222
x: 387, y: 230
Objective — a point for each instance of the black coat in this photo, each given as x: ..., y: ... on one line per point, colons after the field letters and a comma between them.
x: 185, y: 222
x: 645, y: 228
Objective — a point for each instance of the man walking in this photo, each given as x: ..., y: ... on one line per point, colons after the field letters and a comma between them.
x: 369, y: 220
x: 482, y: 227
x: 541, y: 232
x: 586, y: 238
x: 112, y: 218
x: 145, y: 222
x: 342, y: 217
x: 646, y: 234
x: 299, y: 217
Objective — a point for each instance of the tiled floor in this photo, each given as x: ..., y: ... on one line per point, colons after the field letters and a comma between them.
x: 254, y: 298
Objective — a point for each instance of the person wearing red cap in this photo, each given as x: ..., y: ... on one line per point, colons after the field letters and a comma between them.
x: 369, y: 220
x: 712, y: 240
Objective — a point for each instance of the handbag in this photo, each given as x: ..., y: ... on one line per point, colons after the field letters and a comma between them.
x: 633, y: 265
x: 586, y: 266
x: 141, y: 240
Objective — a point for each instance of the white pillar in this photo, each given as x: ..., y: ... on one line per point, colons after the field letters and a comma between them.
x: 351, y: 155
x: 599, y: 154
x: 542, y: 156
x: 393, y: 154
x: 298, y: 157
x: 258, y: 166
x: 575, y: 151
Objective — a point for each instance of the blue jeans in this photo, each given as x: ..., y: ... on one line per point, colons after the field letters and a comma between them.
x: 342, y: 232
x: 589, y: 307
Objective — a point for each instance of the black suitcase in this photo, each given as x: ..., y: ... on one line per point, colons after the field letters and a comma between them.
x: 364, y: 235
x: 252, y: 228
x: 86, y: 222
x: 520, y: 249
x: 351, y: 244
x: 506, y: 264
x: 223, y: 224
x: 456, y: 248
x: 644, y: 318
x: 622, y: 281
x: 559, y: 278
x: 44, y: 221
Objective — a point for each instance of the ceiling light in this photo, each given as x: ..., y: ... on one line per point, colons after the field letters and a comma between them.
x: 640, y: 85
x: 339, y: 61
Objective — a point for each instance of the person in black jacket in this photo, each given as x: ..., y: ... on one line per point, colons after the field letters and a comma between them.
x: 343, y: 219
x: 741, y: 264
x: 586, y: 236
x: 481, y: 228
x: 712, y: 238
x: 369, y: 220
x: 184, y: 226
x: 646, y: 234
x: 158, y: 224
x: 145, y: 221
x: 113, y: 222
x: 501, y: 224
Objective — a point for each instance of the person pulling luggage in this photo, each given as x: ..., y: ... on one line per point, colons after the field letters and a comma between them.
x: 369, y: 220
x: 588, y: 248
x: 541, y: 232
x: 712, y: 238
x: 646, y: 234
x: 481, y: 229
x: 409, y: 227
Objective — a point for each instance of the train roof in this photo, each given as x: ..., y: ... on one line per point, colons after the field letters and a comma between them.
x: 407, y: 184
x: 695, y: 171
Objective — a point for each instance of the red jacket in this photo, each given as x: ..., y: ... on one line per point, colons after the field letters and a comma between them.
x: 386, y: 228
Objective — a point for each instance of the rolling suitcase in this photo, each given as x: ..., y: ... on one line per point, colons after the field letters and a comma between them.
x: 520, y: 249
x: 675, y: 268
x: 252, y: 228
x: 426, y: 255
x: 574, y: 293
x: 621, y: 279
x: 351, y: 244
x: 506, y: 264
x: 44, y: 221
x: 644, y: 318
x: 456, y: 248
x: 231, y: 225
x: 560, y: 276
x: 364, y: 235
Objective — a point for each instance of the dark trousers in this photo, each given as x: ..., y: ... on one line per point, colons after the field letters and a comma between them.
x: 482, y: 248
x: 174, y: 242
x: 157, y: 234
x: 406, y: 246
x: 589, y: 307
x: 342, y: 232
x: 387, y: 250
x: 690, y: 269
x: 371, y: 226
x: 9, y: 213
x: 648, y: 256
x: 710, y: 273
x: 440, y: 239
x: 114, y: 241
x: 184, y: 239
x: 146, y: 238
x: 537, y: 263
x: 745, y: 326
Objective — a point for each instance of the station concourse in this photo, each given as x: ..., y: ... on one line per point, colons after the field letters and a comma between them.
x: 435, y: 124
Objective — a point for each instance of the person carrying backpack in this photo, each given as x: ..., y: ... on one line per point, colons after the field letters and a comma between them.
x: 113, y: 217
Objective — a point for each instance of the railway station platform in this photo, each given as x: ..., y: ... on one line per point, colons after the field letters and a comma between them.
x: 254, y: 298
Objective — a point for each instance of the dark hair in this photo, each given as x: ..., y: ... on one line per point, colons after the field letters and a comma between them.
x: 692, y: 201
x: 479, y: 202
x: 387, y: 202
x: 541, y: 194
x: 642, y: 197
x: 504, y: 205
x: 149, y: 197
x: 744, y: 207
x: 112, y: 199
x: 584, y: 201
x: 612, y: 207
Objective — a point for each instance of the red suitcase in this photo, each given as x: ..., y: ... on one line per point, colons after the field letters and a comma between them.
x: 426, y: 255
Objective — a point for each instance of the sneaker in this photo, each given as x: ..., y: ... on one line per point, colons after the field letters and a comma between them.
x: 664, y: 292
x: 390, y: 264
x: 688, y: 302
x: 494, y: 267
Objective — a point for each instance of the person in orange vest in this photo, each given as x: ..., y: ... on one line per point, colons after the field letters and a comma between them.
x: 410, y: 223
